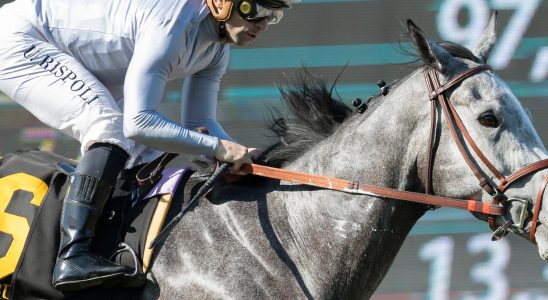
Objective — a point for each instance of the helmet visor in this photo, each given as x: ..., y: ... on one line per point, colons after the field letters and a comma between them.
x: 254, y: 12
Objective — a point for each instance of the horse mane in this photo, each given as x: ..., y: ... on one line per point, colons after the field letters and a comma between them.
x: 459, y: 51
x: 316, y: 114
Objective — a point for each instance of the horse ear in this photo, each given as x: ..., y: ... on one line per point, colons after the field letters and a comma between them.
x: 431, y: 53
x: 487, y: 41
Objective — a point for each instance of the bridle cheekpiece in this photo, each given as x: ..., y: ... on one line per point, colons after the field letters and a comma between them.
x: 437, y: 94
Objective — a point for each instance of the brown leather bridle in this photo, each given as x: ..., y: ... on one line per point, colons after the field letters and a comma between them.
x: 437, y: 92
x: 456, y: 126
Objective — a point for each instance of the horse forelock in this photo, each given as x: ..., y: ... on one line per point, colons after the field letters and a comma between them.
x: 454, y: 49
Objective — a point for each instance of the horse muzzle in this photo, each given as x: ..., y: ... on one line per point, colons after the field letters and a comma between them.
x: 514, y: 219
x: 519, y: 211
x: 519, y: 214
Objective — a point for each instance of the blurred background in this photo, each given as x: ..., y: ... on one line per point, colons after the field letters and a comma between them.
x: 449, y: 254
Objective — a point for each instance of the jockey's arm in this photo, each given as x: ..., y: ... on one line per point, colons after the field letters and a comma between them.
x: 199, y: 98
x: 144, y: 86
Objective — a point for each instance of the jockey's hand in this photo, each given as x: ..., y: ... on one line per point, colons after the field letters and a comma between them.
x: 231, y: 152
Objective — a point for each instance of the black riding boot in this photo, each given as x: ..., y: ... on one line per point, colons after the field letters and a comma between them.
x: 76, y: 267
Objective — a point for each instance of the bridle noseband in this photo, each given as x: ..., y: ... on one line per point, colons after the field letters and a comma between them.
x: 437, y: 94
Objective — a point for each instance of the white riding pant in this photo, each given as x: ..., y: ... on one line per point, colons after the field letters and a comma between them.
x: 56, y: 88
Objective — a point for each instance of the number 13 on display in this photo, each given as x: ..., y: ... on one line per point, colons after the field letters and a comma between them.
x: 491, y: 272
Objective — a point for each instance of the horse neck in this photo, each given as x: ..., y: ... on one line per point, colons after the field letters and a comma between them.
x: 380, y: 147
x: 377, y: 150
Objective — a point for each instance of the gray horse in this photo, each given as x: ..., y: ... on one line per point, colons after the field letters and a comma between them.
x: 270, y: 239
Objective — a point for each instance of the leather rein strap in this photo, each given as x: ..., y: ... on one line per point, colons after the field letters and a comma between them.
x: 436, y: 93
x: 365, y: 189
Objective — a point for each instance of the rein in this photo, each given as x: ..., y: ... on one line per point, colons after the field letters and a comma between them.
x: 152, y: 171
x: 371, y: 190
x: 492, y: 210
x: 456, y: 126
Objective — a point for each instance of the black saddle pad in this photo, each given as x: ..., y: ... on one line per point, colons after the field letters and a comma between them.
x: 32, y: 188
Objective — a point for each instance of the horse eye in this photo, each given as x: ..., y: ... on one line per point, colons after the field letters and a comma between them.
x: 489, y: 120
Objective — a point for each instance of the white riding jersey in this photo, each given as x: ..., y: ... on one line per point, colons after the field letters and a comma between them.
x: 140, y: 45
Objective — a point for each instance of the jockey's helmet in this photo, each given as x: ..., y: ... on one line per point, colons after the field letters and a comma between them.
x: 253, y: 10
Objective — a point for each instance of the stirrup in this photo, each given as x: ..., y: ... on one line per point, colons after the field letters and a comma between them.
x: 135, y: 279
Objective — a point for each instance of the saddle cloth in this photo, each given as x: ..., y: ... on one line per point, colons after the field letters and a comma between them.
x: 32, y: 188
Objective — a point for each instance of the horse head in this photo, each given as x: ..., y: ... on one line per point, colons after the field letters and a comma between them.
x: 501, y: 129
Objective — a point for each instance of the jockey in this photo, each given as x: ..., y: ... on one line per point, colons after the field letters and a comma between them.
x: 96, y: 70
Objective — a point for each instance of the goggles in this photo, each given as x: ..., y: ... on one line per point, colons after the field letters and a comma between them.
x: 251, y: 11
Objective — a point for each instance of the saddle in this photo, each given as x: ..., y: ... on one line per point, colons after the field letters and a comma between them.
x: 32, y: 187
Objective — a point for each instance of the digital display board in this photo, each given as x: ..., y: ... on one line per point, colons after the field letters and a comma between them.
x: 448, y: 254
